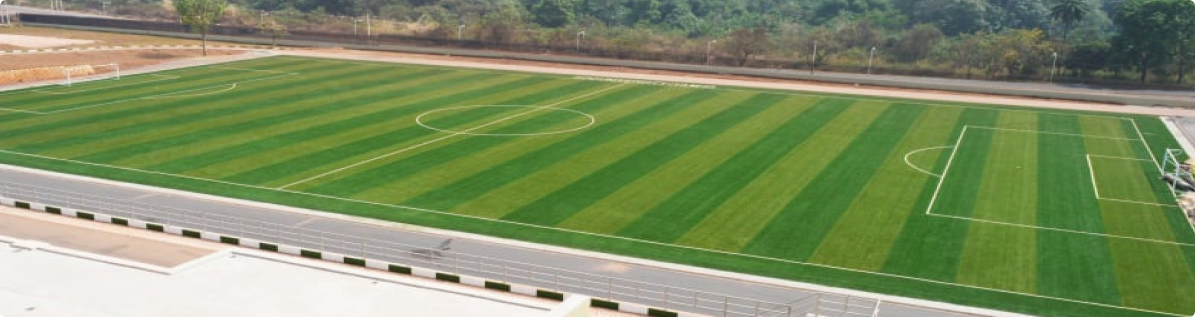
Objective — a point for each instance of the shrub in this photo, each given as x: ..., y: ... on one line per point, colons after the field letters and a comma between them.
x: 549, y: 294
x: 603, y: 304
x: 448, y: 277
x: 310, y: 254
x: 497, y: 286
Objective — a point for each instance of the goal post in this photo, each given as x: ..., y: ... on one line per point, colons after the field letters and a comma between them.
x: 1176, y: 173
x: 81, y: 73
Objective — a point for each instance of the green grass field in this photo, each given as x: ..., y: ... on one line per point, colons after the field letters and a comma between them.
x: 1037, y: 211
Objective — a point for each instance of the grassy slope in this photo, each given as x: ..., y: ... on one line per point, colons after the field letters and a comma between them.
x: 720, y: 152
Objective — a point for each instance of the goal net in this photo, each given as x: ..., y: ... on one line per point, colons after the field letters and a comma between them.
x: 83, y: 73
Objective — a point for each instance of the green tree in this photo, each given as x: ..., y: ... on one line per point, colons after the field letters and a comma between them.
x: 1068, y: 12
x: 552, y: 13
x: 744, y: 44
x: 1150, y: 31
x: 200, y: 15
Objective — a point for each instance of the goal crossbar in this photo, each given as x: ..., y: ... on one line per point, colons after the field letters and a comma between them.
x: 69, y: 71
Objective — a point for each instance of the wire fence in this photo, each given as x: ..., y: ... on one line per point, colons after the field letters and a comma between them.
x: 443, y: 259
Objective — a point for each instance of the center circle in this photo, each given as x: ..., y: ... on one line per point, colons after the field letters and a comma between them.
x: 422, y: 117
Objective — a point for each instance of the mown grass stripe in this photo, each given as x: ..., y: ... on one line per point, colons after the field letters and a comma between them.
x: 797, y: 230
x: 199, y: 79
x: 379, y: 130
x: 447, y: 197
x: 732, y: 224
x: 930, y: 247
x: 77, y: 123
x: 1148, y: 275
x: 206, y: 159
x: 865, y: 233
x: 361, y: 185
x: 386, y: 139
x: 371, y: 102
x: 1000, y: 256
x: 623, y: 206
x: 671, y: 219
x: 460, y: 168
x: 119, y: 89
x: 563, y: 203
x: 298, y: 108
x: 160, y: 127
x: 514, y: 195
x: 1070, y: 265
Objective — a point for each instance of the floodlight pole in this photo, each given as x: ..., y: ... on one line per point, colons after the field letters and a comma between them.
x: 1054, y: 65
x: 459, y: 29
x: 368, y: 30
x: 579, y: 36
x: 869, y: 58
x: 813, y: 58
x: 104, y: 6
x: 709, y: 49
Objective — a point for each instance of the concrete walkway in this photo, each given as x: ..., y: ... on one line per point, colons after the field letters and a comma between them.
x: 60, y: 280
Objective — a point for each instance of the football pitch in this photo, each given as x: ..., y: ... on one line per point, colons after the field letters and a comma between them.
x: 1047, y: 212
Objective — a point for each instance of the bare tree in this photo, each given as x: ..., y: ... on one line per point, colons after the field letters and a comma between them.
x: 745, y: 44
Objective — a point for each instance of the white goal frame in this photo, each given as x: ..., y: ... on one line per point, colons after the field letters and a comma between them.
x: 115, y: 76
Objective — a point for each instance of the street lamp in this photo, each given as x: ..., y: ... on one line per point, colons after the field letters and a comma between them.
x: 1054, y: 65
x: 459, y: 29
x: 709, y: 48
x: 580, y: 35
x: 869, y: 57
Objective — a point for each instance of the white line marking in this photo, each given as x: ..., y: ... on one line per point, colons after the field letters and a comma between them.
x: 910, y: 164
x: 1065, y: 230
x: 69, y: 91
x: 230, y: 88
x: 1136, y: 202
x: 1056, y: 133
x: 1091, y: 170
x: 1147, y: 149
x: 611, y: 236
x: 942, y: 178
x: 452, y: 135
x: 166, y: 94
x: 1119, y: 157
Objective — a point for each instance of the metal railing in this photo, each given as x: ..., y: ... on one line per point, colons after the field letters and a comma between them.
x: 500, y: 270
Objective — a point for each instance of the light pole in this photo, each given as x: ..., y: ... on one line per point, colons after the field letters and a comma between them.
x: 459, y: 31
x: 813, y: 58
x: 1053, y: 66
x: 580, y: 35
x: 709, y: 49
x: 869, y: 58
x: 104, y: 6
x: 355, y: 27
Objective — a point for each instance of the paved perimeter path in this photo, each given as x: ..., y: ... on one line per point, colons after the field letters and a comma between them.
x: 580, y: 261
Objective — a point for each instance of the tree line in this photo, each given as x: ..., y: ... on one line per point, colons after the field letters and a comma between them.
x: 1148, y: 41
